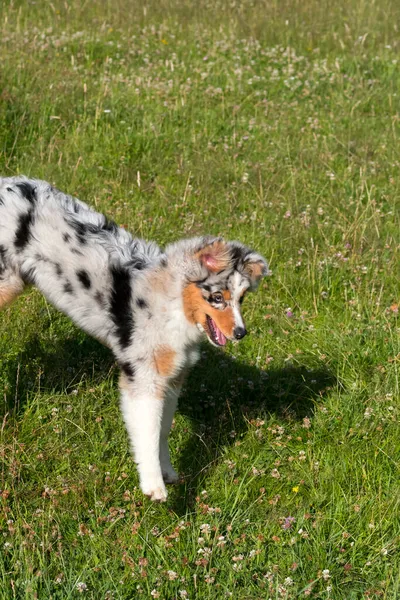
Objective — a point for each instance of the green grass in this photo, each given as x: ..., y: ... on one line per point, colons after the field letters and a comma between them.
x: 276, y: 123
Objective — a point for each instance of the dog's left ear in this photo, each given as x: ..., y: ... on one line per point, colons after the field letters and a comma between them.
x: 256, y: 267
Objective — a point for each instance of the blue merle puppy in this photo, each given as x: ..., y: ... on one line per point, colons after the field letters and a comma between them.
x: 150, y: 306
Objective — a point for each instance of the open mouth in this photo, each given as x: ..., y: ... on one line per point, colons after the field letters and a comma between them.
x: 215, y: 335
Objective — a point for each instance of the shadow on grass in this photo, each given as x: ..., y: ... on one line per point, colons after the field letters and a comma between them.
x: 53, y: 366
x: 220, y: 397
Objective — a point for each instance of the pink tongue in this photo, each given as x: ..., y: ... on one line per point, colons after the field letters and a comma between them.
x: 220, y: 336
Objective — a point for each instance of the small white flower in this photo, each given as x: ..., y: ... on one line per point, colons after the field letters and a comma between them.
x: 237, y: 558
x: 326, y: 574
x: 81, y: 587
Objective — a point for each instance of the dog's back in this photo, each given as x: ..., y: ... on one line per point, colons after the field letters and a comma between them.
x: 73, y: 254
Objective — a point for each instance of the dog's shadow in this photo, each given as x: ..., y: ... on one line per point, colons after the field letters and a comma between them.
x: 221, y: 396
x: 224, y: 395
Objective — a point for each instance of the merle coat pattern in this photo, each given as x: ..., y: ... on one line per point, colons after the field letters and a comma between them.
x: 151, y: 307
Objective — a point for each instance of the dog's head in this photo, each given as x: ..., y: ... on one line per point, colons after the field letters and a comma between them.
x: 218, y: 275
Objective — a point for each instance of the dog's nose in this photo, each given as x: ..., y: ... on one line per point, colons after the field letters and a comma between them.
x: 239, y: 332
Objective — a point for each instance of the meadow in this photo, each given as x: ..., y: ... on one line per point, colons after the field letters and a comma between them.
x: 272, y: 122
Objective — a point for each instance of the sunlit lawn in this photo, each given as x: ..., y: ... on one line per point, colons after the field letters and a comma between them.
x: 273, y: 123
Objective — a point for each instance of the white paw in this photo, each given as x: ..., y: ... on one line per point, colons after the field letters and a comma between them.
x: 170, y: 475
x: 156, y: 493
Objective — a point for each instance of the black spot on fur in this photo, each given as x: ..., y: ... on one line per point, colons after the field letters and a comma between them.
x: 128, y: 369
x: 28, y: 191
x: 236, y: 255
x: 3, y: 253
x: 58, y: 269
x: 66, y: 237
x: 84, y: 278
x: 81, y: 231
x: 120, y: 305
x: 76, y: 251
x: 137, y: 263
x: 68, y: 289
x: 141, y: 303
x: 109, y: 225
x: 23, y: 233
x: 99, y: 297
x: 28, y: 276
x: 76, y: 207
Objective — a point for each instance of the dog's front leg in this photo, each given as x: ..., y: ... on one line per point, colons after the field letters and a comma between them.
x: 142, y: 408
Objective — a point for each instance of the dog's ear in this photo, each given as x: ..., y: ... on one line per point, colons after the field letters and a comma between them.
x: 256, y: 267
x: 214, y: 256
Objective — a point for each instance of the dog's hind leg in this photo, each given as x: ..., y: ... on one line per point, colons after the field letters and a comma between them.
x: 11, y: 285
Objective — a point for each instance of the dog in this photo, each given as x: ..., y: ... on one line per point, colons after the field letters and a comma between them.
x: 151, y: 307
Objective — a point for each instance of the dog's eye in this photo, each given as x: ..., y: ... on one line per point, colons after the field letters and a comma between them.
x: 217, y: 298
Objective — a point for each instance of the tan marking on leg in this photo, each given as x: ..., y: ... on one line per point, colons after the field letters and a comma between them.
x: 124, y: 384
x: 163, y: 359
x: 10, y: 291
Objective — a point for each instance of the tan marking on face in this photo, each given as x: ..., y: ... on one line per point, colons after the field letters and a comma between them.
x: 255, y: 270
x: 164, y: 360
x: 227, y: 295
x: 192, y: 302
x: 9, y: 293
x: 215, y: 256
x: 196, y: 309
x: 224, y: 320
